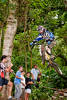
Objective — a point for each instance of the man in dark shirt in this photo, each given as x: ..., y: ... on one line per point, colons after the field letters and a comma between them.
x: 28, y: 86
x: 3, y: 80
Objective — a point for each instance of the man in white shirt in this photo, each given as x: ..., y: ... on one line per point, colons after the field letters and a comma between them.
x: 23, y: 85
x: 35, y: 71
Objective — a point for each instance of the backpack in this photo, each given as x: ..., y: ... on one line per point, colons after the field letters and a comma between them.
x: 1, y: 72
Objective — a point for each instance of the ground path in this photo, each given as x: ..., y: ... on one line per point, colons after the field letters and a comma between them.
x: 60, y: 94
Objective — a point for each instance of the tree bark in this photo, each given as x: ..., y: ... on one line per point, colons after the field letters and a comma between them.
x: 9, y: 36
x: 25, y: 28
x: 11, y: 28
x: 31, y: 59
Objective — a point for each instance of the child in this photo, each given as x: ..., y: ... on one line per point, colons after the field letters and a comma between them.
x: 38, y: 79
x: 28, y: 86
x: 23, y: 85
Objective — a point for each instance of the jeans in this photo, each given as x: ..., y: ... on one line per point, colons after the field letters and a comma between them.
x: 18, y: 91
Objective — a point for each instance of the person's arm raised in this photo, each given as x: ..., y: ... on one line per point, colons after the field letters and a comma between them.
x: 36, y: 40
x: 9, y: 68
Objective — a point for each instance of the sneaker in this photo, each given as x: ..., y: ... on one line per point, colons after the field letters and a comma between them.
x: 10, y: 98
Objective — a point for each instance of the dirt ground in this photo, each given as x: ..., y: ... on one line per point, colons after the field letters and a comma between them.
x: 5, y: 98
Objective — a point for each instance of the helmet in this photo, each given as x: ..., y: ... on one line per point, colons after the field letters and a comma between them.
x: 41, y: 28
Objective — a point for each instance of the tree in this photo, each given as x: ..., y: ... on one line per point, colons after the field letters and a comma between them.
x: 11, y: 28
x: 3, y: 18
x: 9, y: 34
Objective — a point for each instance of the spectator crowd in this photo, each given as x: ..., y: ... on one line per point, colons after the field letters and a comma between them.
x: 23, y: 81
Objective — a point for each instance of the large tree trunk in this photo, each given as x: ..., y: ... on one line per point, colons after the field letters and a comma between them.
x: 9, y: 35
x: 10, y: 32
x: 11, y: 28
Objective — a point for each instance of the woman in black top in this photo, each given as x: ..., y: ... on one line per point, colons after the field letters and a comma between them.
x: 28, y: 86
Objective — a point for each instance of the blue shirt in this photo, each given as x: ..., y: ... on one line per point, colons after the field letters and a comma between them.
x: 16, y: 80
x: 48, y: 36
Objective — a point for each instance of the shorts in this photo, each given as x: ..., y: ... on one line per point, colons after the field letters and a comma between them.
x: 3, y: 81
x: 18, y: 91
x: 23, y: 94
x: 28, y: 91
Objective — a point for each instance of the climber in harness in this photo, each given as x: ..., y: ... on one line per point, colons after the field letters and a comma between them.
x: 47, y: 36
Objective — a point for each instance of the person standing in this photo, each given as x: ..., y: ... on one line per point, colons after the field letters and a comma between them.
x: 3, y: 80
x: 23, y: 85
x: 28, y: 86
x: 17, y: 83
x: 35, y: 71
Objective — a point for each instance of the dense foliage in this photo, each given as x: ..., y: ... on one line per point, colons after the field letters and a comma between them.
x: 52, y: 15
